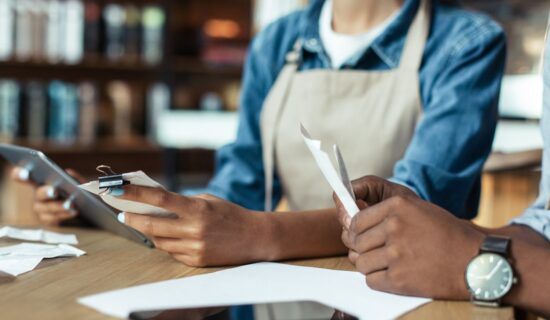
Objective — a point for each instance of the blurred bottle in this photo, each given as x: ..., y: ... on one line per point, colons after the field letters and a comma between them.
x: 35, y: 109
x: 153, y: 20
x: 23, y: 30
x: 133, y: 32
x: 121, y: 98
x: 9, y: 110
x: 88, y: 112
x: 74, y: 36
x: 115, y: 17
x: 92, y: 28
x: 54, y: 31
x: 211, y: 101
x: 7, y: 14
x: 39, y: 24
x: 158, y: 101
x: 64, y: 112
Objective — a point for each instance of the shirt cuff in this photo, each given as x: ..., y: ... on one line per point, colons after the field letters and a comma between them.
x: 536, y: 219
x: 404, y: 184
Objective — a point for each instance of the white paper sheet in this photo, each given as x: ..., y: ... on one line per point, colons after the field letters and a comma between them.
x: 37, y: 235
x: 258, y: 283
x: 138, y: 178
x: 330, y: 173
x: 40, y: 250
x: 18, y: 265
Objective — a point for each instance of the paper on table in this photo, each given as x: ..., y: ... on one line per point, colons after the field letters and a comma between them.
x: 138, y: 178
x: 37, y: 235
x: 18, y: 265
x: 330, y: 173
x: 258, y: 283
x: 40, y: 250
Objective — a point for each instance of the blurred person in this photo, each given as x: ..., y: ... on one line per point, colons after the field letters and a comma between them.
x: 407, y: 88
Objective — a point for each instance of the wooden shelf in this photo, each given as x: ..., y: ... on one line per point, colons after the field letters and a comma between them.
x: 106, y: 70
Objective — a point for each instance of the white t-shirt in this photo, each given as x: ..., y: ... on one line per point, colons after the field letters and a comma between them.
x: 342, y: 47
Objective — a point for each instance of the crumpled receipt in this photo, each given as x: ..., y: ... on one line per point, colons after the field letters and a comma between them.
x: 138, y: 178
x: 37, y: 235
x: 24, y: 257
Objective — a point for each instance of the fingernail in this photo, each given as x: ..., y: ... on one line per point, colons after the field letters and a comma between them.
x: 67, y: 205
x: 51, y: 193
x: 121, y: 217
x: 24, y: 174
x: 73, y: 212
x: 348, y: 221
x: 116, y: 192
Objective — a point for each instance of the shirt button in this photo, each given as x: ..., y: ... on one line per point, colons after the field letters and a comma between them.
x: 312, y: 42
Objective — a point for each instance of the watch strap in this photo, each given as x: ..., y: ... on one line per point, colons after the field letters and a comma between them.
x: 496, y: 244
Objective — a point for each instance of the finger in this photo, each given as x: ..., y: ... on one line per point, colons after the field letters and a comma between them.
x: 191, y: 260
x: 21, y: 175
x: 152, y: 226
x: 370, y: 239
x: 352, y: 256
x: 55, y: 218
x: 156, y: 197
x: 379, y: 281
x: 178, y: 246
x: 370, y: 189
x: 50, y: 207
x: 343, y: 216
x: 346, y: 239
x: 362, y: 204
x: 370, y: 217
x: 372, y: 261
x: 77, y: 176
x: 46, y: 193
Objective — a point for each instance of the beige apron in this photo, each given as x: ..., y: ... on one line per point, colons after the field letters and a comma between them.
x: 371, y: 115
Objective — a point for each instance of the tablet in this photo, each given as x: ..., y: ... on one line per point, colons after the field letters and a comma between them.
x: 44, y: 171
x: 296, y: 310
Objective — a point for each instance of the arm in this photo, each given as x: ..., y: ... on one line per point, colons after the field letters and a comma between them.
x: 443, y: 163
x: 408, y: 246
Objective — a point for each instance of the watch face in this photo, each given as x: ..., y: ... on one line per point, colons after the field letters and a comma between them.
x: 489, y: 277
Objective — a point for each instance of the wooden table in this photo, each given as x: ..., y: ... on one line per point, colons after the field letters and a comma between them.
x: 50, y: 292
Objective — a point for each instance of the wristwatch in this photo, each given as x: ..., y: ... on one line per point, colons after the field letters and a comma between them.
x: 490, y: 276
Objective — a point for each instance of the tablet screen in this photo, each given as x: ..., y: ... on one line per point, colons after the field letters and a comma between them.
x: 298, y: 310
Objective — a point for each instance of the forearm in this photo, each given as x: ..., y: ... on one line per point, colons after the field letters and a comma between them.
x: 308, y: 234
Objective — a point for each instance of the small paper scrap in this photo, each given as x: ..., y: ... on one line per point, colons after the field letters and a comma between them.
x: 18, y: 265
x: 138, y: 178
x: 40, y: 250
x: 330, y: 173
x: 37, y: 235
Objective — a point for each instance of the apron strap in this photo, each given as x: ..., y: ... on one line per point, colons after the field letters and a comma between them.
x: 271, y: 115
x: 418, y: 34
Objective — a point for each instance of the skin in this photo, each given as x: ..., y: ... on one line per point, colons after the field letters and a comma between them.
x: 402, y: 245
x: 277, y: 236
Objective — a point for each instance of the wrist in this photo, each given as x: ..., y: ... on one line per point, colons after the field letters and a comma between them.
x: 265, y: 235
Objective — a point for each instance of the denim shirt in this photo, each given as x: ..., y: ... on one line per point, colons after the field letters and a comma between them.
x: 459, y: 85
x: 538, y: 216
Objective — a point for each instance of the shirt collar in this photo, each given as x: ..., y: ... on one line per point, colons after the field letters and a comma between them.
x: 388, y: 46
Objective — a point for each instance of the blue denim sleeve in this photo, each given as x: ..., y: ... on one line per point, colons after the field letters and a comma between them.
x: 239, y: 175
x: 453, y: 139
x: 537, y: 217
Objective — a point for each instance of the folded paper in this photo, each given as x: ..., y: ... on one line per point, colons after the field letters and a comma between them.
x: 37, y: 235
x: 138, y: 178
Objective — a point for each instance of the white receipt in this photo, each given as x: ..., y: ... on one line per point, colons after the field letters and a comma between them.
x: 330, y: 173
x: 258, y: 283
x: 37, y: 235
x: 40, y: 250
x: 138, y: 178
x: 24, y: 257
x: 17, y: 265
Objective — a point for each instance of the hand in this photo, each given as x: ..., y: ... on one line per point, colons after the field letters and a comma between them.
x: 206, y: 231
x: 49, y: 205
x: 408, y: 246
x: 369, y: 191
